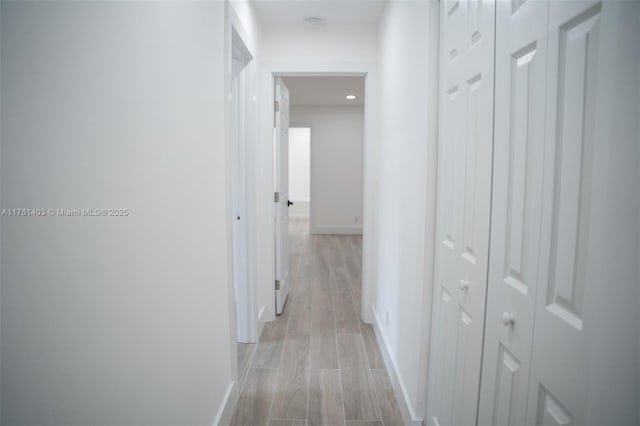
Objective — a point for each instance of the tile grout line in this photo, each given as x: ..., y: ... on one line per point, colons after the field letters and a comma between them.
x: 249, y: 368
x: 366, y: 354
x: 333, y: 311
x: 284, y: 339
x: 281, y: 360
x: 306, y: 419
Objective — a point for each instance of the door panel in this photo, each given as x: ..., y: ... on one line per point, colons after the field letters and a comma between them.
x: 440, y: 382
x: 559, y: 384
x: 282, y: 188
x: 465, y: 383
x: 448, y: 173
x: 550, y: 412
x: 573, y: 152
x: 507, y: 402
x: 464, y: 193
x: 474, y: 103
x: 521, y: 54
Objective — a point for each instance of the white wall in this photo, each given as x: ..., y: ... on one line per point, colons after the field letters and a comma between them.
x: 328, y: 50
x: 408, y: 120
x: 299, y: 171
x: 110, y: 320
x: 337, y: 156
x: 334, y: 43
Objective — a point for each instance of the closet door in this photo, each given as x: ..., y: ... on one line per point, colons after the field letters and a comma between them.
x: 561, y: 339
x: 464, y: 194
x: 521, y: 56
x: 585, y: 339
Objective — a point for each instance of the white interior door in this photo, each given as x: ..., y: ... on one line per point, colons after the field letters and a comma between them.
x: 561, y: 341
x: 521, y: 56
x: 464, y: 194
x: 581, y: 343
x: 282, y: 193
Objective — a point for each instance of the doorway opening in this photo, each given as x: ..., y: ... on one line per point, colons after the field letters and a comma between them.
x: 319, y: 144
x: 241, y: 92
x: 300, y: 172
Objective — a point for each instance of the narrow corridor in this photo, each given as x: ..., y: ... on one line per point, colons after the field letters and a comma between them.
x: 317, y: 363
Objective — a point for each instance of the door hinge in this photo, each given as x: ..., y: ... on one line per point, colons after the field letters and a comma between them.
x: 276, y: 197
x: 277, y: 284
x: 276, y: 106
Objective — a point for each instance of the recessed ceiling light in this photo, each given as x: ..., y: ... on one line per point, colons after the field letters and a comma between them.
x: 350, y: 97
x: 313, y: 21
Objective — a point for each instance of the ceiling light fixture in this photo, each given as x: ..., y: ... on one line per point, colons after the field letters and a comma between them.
x: 313, y: 21
x: 350, y: 97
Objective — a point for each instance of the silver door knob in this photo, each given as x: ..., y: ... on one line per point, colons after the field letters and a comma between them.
x: 464, y: 285
x: 508, y: 319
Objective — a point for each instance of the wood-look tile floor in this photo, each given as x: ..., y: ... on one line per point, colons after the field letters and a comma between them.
x: 317, y: 363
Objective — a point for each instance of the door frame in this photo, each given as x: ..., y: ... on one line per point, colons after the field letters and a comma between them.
x: 235, y: 29
x: 242, y: 122
x: 369, y: 71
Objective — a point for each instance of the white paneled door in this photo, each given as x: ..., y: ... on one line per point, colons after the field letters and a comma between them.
x: 464, y: 201
x: 521, y: 61
x: 281, y: 193
x: 561, y: 379
x: 561, y: 339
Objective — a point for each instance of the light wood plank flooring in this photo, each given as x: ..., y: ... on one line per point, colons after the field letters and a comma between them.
x: 317, y: 363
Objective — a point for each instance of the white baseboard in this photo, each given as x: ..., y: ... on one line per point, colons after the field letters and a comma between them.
x: 399, y: 389
x: 261, y: 315
x: 261, y: 322
x: 336, y: 230
x: 259, y: 331
x: 225, y: 412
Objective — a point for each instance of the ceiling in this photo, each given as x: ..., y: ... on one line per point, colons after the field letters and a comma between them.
x: 340, y: 12
x: 325, y: 91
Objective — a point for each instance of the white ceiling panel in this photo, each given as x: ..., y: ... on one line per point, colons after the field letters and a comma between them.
x: 332, y: 12
x: 325, y: 91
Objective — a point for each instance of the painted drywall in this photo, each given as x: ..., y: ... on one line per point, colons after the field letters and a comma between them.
x: 299, y: 171
x: 335, y: 43
x: 337, y: 156
x: 406, y: 207
x: 342, y: 51
x: 114, y: 320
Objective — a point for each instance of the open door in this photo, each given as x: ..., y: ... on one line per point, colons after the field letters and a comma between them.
x: 281, y: 193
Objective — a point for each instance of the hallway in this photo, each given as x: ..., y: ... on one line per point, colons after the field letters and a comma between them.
x: 317, y: 361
